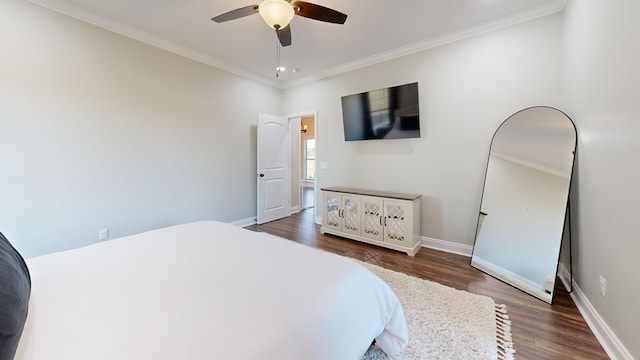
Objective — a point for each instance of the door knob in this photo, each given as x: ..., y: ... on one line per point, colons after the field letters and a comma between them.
x: 261, y: 175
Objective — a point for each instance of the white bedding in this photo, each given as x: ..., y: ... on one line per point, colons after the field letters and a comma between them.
x: 206, y: 290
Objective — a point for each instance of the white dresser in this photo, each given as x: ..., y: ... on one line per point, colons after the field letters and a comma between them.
x: 381, y: 218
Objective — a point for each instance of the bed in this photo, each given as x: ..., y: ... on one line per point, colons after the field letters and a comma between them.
x: 206, y: 290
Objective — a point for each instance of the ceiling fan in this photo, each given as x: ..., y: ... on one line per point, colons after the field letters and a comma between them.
x: 278, y: 14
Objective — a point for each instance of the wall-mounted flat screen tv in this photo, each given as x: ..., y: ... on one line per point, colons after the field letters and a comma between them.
x: 389, y: 113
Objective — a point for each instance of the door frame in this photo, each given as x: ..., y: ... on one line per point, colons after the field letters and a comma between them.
x: 295, y: 135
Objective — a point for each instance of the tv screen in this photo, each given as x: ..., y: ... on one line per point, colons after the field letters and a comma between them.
x: 389, y: 113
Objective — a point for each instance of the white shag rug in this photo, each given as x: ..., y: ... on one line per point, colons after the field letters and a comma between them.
x: 446, y: 323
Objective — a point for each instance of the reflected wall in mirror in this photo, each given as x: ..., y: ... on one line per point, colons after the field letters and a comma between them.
x: 524, y: 200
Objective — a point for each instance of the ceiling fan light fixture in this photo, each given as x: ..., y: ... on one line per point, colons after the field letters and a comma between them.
x: 276, y: 13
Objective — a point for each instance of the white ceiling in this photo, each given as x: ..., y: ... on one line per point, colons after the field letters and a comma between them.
x: 375, y: 30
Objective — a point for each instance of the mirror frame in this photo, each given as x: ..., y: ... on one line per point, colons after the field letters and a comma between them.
x: 565, y: 213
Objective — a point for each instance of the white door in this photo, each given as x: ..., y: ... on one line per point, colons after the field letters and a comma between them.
x: 273, y: 168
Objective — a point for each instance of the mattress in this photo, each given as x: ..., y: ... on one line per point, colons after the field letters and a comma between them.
x: 206, y: 290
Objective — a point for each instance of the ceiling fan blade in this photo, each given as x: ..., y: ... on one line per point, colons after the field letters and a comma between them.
x: 284, y: 35
x: 317, y: 12
x: 236, y: 14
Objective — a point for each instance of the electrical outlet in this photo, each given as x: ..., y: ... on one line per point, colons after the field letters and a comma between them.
x: 603, y: 286
x: 103, y: 234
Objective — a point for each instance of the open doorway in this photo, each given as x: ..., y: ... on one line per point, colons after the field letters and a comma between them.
x: 307, y: 162
x: 302, y: 161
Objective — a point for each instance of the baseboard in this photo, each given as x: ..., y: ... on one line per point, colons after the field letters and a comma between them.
x: 609, y: 341
x: 446, y: 246
x: 295, y: 209
x: 244, y: 222
x: 511, y: 278
x: 607, y: 338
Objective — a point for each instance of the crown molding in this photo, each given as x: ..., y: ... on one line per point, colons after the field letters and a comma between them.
x: 432, y: 43
x: 149, y: 39
x: 144, y: 37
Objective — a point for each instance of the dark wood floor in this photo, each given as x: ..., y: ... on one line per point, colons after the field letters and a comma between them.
x: 540, y: 330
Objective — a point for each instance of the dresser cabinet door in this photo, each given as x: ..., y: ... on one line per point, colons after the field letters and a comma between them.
x: 351, y: 214
x: 398, y: 222
x: 372, y: 226
x: 332, y: 213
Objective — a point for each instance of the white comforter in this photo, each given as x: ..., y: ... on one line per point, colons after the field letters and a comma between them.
x: 206, y: 290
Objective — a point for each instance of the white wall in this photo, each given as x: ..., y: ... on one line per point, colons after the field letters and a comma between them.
x: 97, y: 130
x: 466, y: 90
x: 100, y: 131
x: 602, y: 77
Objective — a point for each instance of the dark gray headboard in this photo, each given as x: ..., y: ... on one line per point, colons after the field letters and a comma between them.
x: 15, y: 289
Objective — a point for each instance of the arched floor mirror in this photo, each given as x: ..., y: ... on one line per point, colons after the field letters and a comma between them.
x: 524, y: 200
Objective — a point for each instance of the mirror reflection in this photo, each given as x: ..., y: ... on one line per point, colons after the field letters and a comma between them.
x: 524, y: 200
